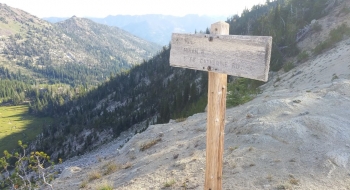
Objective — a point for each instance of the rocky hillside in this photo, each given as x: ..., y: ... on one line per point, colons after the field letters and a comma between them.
x: 294, y: 135
x: 76, y: 51
x: 152, y: 92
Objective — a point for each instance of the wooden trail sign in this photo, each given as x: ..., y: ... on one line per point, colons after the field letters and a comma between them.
x: 220, y: 54
x: 244, y: 56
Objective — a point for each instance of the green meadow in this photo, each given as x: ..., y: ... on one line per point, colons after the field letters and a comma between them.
x: 17, y: 124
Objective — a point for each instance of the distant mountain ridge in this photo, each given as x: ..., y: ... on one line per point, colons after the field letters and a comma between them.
x: 74, y: 51
x: 154, y: 27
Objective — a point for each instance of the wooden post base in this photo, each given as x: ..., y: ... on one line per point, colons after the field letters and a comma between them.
x: 217, y: 89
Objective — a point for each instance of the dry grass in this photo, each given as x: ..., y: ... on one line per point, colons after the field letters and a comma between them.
x: 94, y: 175
x: 83, y: 184
x: 149, y: 144
x: 200, y: 129
x: 178, y: 120
x: 233, y: 148
x: 132, y: 157
x: 249, y: 116
x: 169, y: 183
x: 269, y: 178
x: 283, y: 187
x: 233, y: 164
x: 294, y: 181
x: 127, y: 165
x: 110, y: 167
x: 104, y: 186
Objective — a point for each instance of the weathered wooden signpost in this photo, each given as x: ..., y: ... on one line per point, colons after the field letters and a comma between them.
x: 220, y: 54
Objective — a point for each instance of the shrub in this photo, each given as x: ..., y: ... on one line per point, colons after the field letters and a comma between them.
x: 317, y: 27
x: 288, y: 66
x: 149, y: 144
x: 294, y: 181
x: 233, y: 148
x: 335, y: 36
x: 269, y: 178
x: 334, y: 76
x: 83, y: 184
x: 283, y: 187
x: 169, y: 183
x: 322, y: 46
x: 303, y: 56
x: 181, y: 119
x: 104, y: 186
x: 344, y: 10
x: 20, y: 175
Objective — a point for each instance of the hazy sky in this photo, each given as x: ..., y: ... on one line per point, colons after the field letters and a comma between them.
x: 103, y: 8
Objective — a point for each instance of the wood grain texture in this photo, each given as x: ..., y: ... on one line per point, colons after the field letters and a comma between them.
x: 217, y: 89
x: 215, y: 130
x: 243, y: 56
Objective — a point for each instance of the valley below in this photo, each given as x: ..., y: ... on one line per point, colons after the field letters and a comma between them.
x: 17, y: 124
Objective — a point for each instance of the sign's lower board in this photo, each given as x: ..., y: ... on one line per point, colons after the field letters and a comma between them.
x: 243, y: 56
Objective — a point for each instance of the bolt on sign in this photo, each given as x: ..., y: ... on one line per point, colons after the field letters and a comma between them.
x: 220, y: 54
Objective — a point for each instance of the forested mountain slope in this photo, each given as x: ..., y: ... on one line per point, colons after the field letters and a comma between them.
x: 285, y: 21
x: 152, y: 92
x: 76, y: 51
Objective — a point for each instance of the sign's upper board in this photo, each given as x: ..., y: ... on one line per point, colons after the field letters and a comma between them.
x: 243, y: 56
